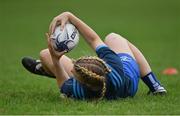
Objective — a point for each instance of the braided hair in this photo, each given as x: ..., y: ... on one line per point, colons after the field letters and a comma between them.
x: 91, y: 72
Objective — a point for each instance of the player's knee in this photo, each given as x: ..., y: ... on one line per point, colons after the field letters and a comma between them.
x: 113, y: 37
x: 44, y: 53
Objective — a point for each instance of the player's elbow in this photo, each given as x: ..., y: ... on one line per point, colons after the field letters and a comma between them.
x: 95, y: 42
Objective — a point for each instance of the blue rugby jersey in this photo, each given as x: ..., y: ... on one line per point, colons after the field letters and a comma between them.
x: 118, y: 84
x: 72, y: 88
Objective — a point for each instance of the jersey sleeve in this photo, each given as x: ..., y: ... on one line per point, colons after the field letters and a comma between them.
x: 72, y: 88
x: 109, y: 56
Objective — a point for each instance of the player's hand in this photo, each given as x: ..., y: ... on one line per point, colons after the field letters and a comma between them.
x: 61, y: 19
x: 54, y: 54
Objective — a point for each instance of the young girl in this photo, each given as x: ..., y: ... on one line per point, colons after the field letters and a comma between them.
x: 115, y: 73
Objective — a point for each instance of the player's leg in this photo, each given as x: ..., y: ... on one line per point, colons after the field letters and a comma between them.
x: 146, y: 73
x: 129, y: 65
x: 48, y: 66
x: 35, y: 66
x: 141, y: 60
x: 118, y: 44
x: 44, y: 66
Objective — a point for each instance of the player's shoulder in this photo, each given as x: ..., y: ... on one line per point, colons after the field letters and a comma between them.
x: 103, y: 50
x: 102, y: 46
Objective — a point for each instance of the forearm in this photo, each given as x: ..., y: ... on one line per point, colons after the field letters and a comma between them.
x: 89, y: 34
x: 59, y: 72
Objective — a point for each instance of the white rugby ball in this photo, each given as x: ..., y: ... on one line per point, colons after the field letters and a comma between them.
x: 65, y: 39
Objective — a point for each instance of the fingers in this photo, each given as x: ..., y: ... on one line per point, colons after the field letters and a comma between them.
x: 47, y: 36
x: 49, y: 42
x: 62, y: 25
x: 65, y: 51
x: 59, y: 54
x: 53, y: 52
x: 56, y: 22
x: 59, y: 20
x: 52, y: 26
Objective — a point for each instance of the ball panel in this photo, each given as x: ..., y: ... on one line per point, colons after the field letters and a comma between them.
x: 65, y: 39
x: 61, y: 46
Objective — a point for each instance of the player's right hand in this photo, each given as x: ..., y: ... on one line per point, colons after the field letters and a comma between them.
x: 54, y: 54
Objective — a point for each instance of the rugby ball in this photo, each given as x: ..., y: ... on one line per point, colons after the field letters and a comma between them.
x: 65, y: 39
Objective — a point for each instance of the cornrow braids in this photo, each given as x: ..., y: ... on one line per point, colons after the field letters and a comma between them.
x: 94, y: 60
x: 91, y: 71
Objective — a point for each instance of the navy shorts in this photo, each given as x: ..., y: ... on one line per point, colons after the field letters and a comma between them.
x: 126, y: 67
x: 131, y: 70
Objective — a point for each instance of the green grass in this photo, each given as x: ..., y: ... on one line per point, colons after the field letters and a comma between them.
x: 153, y: 26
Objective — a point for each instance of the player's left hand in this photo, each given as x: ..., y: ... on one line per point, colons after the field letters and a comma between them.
x: 54, y: 54
x: 61, y: 19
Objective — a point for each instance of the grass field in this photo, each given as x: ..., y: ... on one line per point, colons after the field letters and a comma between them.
x: 152, y: 25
